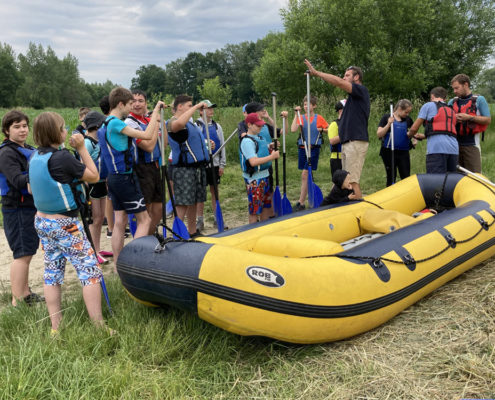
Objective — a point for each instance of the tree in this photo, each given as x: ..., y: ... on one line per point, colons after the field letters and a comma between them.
x: 150, y: 78
x: 11, y: 78
x: 213, y: 90
x: 485, y: 84
x: 404, y: 48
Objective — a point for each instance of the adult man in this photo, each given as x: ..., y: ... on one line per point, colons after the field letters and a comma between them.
x: 353, y: 127
x: 219, y: 160
x: 442, y: 149
x: 146, y: 158
x: 473, y: 117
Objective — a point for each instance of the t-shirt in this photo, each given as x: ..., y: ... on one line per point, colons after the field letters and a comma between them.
x: 437, y: 144
x: 115, y: 136
x: 93, y: 149
x: 333, y: 131
x: 248, y: 150
x: 354, y: 120
x: 482, y: 109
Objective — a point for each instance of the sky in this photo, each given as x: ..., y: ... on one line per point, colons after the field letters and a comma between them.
x: 112, y: 38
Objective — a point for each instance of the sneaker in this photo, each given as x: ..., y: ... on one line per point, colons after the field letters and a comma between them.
x: 101, y: 260
x: 195, y: 234
x: 299, y: 207
x: 105, y: 253
x: 109, y: 234
x: 200, y: 224
x: 32, y: 298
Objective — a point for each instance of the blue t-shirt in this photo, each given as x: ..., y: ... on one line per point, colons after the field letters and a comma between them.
x: 115, y: 136
x: 93, y: 149
x: 437, y: 144
x: 354, y: 121
x: 482, y: 109
x: 248, y: 149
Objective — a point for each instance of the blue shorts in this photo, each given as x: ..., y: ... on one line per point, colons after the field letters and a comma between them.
x: 19, y: 230
x: 303, y: 160
x: 125, y: 193
x: 64, y: 239
x: 259, y: 195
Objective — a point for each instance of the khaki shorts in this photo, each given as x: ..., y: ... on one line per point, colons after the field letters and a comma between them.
x: 470, y: 158
x: 353, y: 156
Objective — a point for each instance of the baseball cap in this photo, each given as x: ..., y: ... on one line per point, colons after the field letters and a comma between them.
x: 93, y: 120
x: 253, y: 107
x: 253, y: 118
x: 244, y: 108
x: 209, y: 104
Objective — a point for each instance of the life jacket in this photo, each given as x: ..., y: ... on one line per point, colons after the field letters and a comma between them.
x: 401, y: 140
x: 212, y: 130
x: 117, y: 162
x: 50, y: 196
x: 261, y: 151
x: 26, y: 152
x: 443, y: 122
x: 336, y: 148
x: 468, y: 127
x: 193, y: 151
x: 100, y: 165
x: 315, y: 133
x: 141, y: 156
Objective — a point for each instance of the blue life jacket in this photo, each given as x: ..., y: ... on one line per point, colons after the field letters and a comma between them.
x: 315, y: 133
x: 401, y: 141
x: 261, y: 151
x: 141, y: 156
x: 213, y: 131
x: 193, y: 151
x: 50, y: 196
x: 116, y: 162
x: 27, y: 152
x: 100, y: 165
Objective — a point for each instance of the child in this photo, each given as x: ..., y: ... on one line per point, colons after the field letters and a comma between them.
x: 334, y: 140
x: 317, y: 124
x: 97, y: 191
x: 17, y: 204
x: 255, y: 160
x: 115, y: 139
x: 342, y: 189
x: 81, y: 128
x: 52, y: 173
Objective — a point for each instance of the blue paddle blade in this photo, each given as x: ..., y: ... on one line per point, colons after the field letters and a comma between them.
x: 311, y: 190
x: 277, y: 202
x: 105, y: 294
x: 219, y: 217
x: 132, y: 223
x: 318, y: 195
x: 164, y: 231
x: 286, y: 206
x: 180, y: 228
x: 169, y: 209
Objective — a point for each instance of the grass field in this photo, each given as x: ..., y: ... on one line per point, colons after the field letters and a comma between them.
x: 443, y: 347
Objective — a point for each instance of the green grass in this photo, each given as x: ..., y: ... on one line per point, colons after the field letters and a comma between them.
x: 443, y: 347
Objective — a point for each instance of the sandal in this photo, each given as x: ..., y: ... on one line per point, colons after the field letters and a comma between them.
x: 32, y: 298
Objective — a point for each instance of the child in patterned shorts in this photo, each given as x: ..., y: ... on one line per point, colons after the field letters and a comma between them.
x: 53, y: 173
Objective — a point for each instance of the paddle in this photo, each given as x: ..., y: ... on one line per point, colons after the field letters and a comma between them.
x: 476, y: 176
x: 218, y: 210
x: 277, y: 199
x: 392, y: 142
x: 132, y: 223
x: 315, y: 197
x: 286, y: 206
x: 162, y: 154
x: 217, y: 151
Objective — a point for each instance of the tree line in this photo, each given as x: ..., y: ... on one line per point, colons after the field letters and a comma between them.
x: 404, y: 49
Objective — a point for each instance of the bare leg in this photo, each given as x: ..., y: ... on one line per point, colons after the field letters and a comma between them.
x: 19, y: 273
x: 304, y: 186
x: 92, y: 299
x: 98, y: 208
x: 200, y: 209
x: 143, y: 224
x: 213, y: 200
x: 118, y: 234
x: 265, y: 214
x: 109, y: 214
x: 357, y: 190
x: 191, y: 219
x: 53, y: 299
x: 253, y: 218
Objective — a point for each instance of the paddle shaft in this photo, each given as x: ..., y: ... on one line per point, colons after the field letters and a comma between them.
x: 284, y: 170
x: 212, y: 167
x: 392, y: 142
x: 474, y: 175
x: 275, y: 141
x: 162, y: 153
x: 225, y: 142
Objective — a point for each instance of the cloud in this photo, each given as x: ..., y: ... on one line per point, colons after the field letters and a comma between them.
x: 111, y: 39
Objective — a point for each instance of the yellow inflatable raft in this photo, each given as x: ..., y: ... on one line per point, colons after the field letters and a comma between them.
x: 324, y: 274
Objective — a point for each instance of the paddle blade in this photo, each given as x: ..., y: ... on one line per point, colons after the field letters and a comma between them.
x: 318, y: 195
x: 277, y: 202
x: 180, y: 228
x: 132, y: 223
x: 286, y: 206
x: 164, y: 231
x: 219, y: 217
x: 311, y: 189
x: 169, y: 209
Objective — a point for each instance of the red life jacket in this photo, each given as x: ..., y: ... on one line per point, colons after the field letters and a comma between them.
x: 443, y: 122
x: 468, y: 127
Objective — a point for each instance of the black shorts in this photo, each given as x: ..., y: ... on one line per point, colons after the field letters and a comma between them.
x: 150, y: 182
x: 209, y: 178
x: 98, y: 190
x: 19, y: 230
x: 125, y: 193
